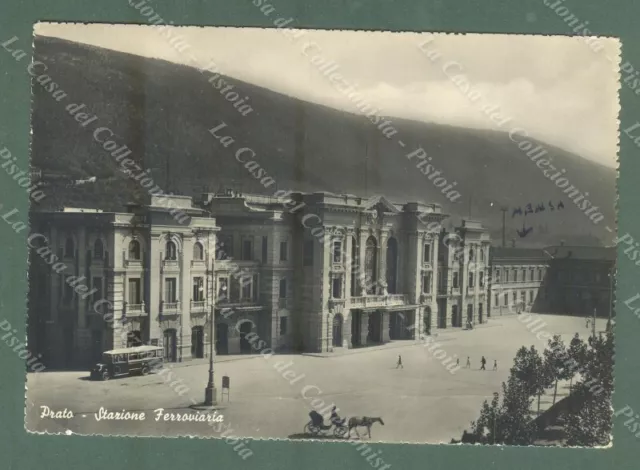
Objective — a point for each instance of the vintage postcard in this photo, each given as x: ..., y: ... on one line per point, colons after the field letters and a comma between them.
x: 358, y: 236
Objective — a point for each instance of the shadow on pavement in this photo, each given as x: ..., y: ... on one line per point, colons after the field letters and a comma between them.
x: 318, y: 437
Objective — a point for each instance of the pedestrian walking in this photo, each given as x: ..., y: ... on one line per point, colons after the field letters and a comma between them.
x: 483, y: 362
x: 495, y: 364
x: 457, y: 361
x: 399, y: 364
x: 588, y: 322
x: 468, y: 365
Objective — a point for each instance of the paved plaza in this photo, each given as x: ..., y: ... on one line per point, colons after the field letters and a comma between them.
x: 423, y: 402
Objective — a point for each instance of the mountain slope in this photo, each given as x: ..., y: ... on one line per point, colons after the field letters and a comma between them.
x: 163, y: 111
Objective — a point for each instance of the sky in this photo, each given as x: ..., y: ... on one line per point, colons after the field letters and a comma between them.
x: 555, y: 87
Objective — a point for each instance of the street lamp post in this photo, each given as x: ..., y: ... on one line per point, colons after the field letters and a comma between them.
x: 210, y: 391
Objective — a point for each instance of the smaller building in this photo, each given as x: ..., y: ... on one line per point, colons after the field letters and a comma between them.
x: 518, y: 280
x: 568, y: 280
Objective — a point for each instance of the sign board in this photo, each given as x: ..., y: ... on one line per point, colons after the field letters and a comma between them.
x: 225, y: 381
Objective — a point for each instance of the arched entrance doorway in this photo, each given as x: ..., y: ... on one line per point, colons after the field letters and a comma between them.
x: 455, y: 320
x: 356, y: 321
x: 426, y: 321
x: 375, y: 327
x: 222, y: 338
x: 245, y: 329
x: 371, y: 265
x: 392, y: 265
x: 170, y: 345
x: 197, y: 342
x: 337, y: 330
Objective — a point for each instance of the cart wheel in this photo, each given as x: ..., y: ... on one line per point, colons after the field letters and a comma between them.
x: 307, y: 428
x: 340, y: 431
x: 145, y: 370
x: 105, y: 375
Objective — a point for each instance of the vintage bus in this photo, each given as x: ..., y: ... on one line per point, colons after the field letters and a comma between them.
x: 127, y: 361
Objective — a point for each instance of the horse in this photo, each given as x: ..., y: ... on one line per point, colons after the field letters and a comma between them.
x: 365, y: 421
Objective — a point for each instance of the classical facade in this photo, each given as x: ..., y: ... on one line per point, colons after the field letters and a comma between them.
x: 305, y: 272
x: 338, y: 271
x: 120, y: 279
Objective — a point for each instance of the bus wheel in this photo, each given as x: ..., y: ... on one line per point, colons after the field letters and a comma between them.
x: 145, y: 370
x: 105, y: 375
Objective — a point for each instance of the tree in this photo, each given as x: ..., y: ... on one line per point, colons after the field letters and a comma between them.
x: 577, y: 355
x: 589, y: 424
x: 532, y: 372
x: 557, y: 363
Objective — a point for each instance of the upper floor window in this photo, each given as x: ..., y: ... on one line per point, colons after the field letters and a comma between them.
x: 224, y: 248
x: 481, y: 278
x: 247, y: 249
x: 472, y: 255
x: 284, y: 248
x: 68, y: 247
x: 497, y: 275
x: 531, y: 274
x: 426, y: 283
x: 265, y: 243
x: 470, y: 279
x: 456, y: 281
x: 134, y: 250
x: 481, y: 254
x: 337, y: 251
x: 515, y: 275
x: 336, y: 288
x: 171, y: 253
x: 198, y: 251
x: 283, y: 289
x: 524, y: 274
x: 98, y: 249
x: 506, y: 275
x: 426, y: 253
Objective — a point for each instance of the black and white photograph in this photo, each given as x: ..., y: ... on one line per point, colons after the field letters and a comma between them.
x: 324, y: 235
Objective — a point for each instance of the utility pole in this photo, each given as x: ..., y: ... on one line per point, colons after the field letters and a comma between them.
x: 504, y: 226
x: 210, y: 391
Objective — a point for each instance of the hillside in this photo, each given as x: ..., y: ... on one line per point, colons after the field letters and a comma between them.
x: 163, y: 111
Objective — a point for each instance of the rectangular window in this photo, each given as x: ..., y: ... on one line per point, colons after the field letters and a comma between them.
x: 337, y: 287
x: 497, y: 275
x: 470, y: 279
x: 523, y: 296
x: 515, y: 298
x: 234, y: 289
x: 224, y: 250
x: 170, y: 292
x: 97, y: 284
x: 283, y: 325
x: 506, y: 275
x: 481, y: 278
x: 530, y: 297
x: 426, y: 253
x: 524, y: 275
x: 223, y: 289
x: 531, y: 274
x: 198, y: 289
x: 456, y: 281
x: 283, y: 251
x: 247, y: 249
x: 135, y: 297
x: 506, y: 299
x: 515, y: 275
x: 283, y: 289
x: 246, y: 288
x: 426, y: 283
x: 307, y: 255
x: 497, y: 299
x: 264, y: 249
x: 337, y: 252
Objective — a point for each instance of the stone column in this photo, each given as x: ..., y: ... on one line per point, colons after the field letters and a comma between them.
x: 382, y: 264
x: 364, y: 328
x: 385, y: 327
x: 362, y: 281
x: 346, y: 329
